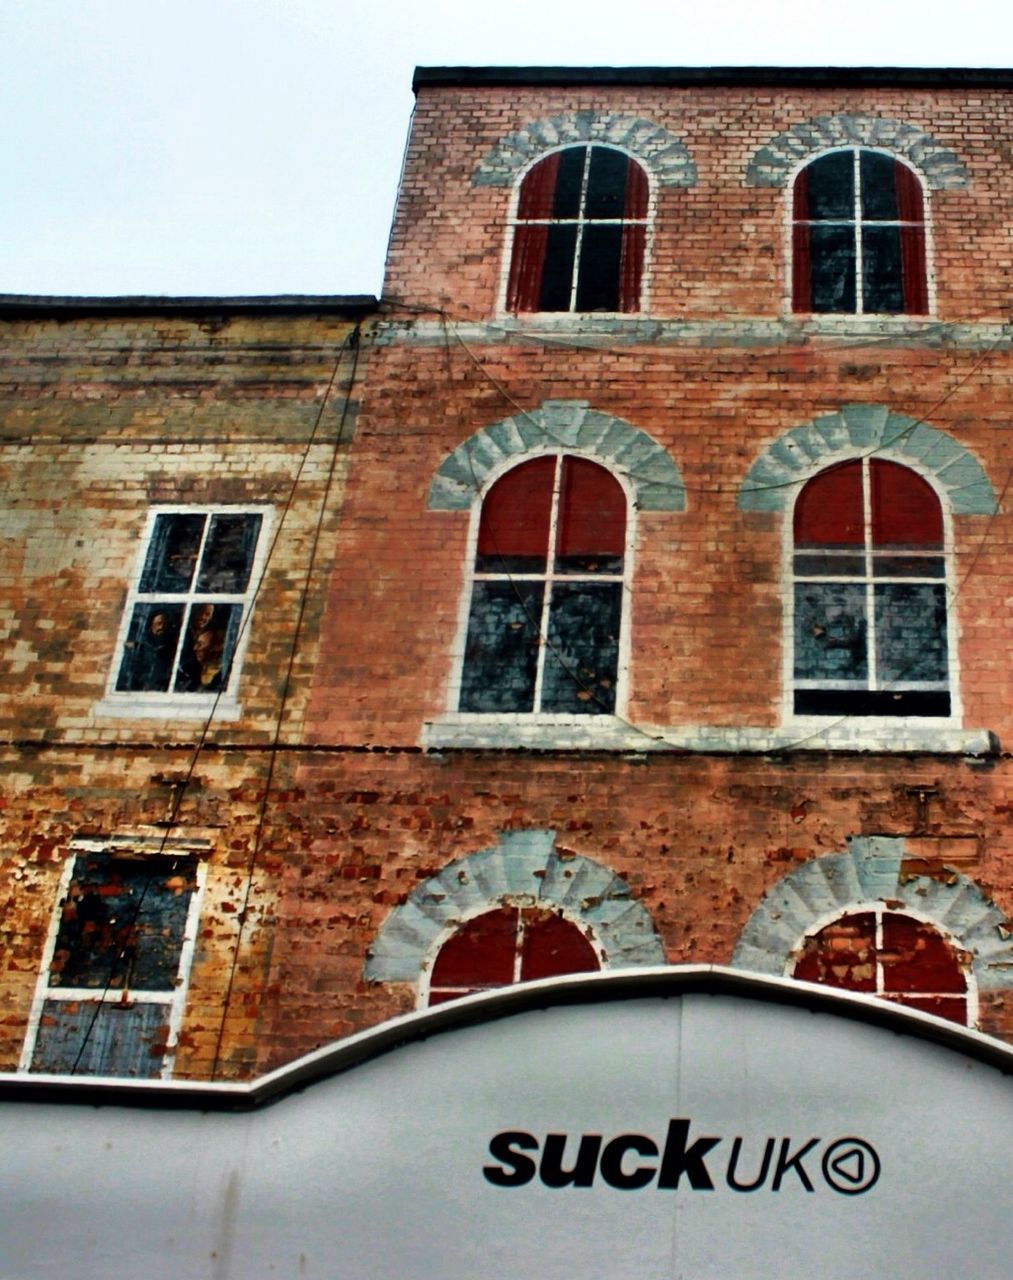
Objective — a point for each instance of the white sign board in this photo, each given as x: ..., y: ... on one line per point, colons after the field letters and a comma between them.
x: 669, y: 1134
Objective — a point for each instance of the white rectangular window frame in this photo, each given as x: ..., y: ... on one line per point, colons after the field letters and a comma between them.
x: 866, y: 732
x: 553, y: 725
x: 173, y: 998
x: 171, y: 704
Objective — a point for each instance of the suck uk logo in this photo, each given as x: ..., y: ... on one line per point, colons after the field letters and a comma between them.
x: 849, y: 1166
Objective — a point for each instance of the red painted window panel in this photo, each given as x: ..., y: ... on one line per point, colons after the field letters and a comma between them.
x: 829, y: 511
x: 915, y: 957
x: 952, y: 1008
x: 905, y: 509
x: 517, y: 510
x: 480, y: 953
x: 553, y: 946
x: 592, y: 511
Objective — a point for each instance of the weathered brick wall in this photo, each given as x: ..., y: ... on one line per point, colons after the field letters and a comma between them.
x: 103, y: 418
x: 719, y: 246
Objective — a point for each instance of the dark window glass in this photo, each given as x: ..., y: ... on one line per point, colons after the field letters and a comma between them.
x: 858, y: 239
x: 172, y: 553
x: 102, y: 1038
x: 501, y: 658
x: 830, y: 631
x: 228, y: 553
x: 583, y: 649
x: 149, y: 652
x: 121, y: 925
x: 910, y: 632
x: 581, y: 233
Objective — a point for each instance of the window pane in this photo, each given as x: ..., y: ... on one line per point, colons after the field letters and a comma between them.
x: 569, y: 180
x: 583, y: 648
x: 889, y: 566
x: 830, y: 631
x: 952, y: 1008
x: 501, y: 656
x: 122, y: 924
x: 150, y: 648
x: 553, y: 946
x: 513, y: 535
x: 538, y: 190
x: 827, y: 565
x: 832, y: 266
x: 172, y: 553
x: 905, y: 509
x: 228, y: 553
x: 118, y: 1039
x: 205, y: 657
x: 830, y: 183
x: 829, y: 511
x: 598, y: 277
x: 879, y: 186
x: 592, y: 519
x: 557, y: 271
x: 606, y: 184
x: 910, y: 632
x: 882, y: 279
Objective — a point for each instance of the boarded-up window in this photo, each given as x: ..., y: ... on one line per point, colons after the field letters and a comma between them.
x: 546, y: 601
x: 870, y: 620
x: 508, y: 945
x: 858, y: 236
x: 115, y: 968
x: 891, y: 955
x: 580, y: 233
x: 186, y: 615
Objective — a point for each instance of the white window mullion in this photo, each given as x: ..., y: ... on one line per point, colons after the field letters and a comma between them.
x: 857, y: 214
x: 578, y: 244
x: 550, y: 560
x: 870, y: 585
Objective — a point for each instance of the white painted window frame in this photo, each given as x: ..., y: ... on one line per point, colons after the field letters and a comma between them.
x: 458, y: 651
x: 843, y: 318
x: 173, y: 998
x: 513, y: 222
x: 171, y: 705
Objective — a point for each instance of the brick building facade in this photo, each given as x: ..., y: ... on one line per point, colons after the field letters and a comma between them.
x: 638, y: 595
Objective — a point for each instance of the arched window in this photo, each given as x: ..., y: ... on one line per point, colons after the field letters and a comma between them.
x: 579, y: 233
x: 547, y: 591
x: 892, y: 955
x: 508, y: 945
x: 858, y: 236
x: 870, y: 628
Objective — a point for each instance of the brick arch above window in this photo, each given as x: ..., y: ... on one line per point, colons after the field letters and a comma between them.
x: 777, y: 159
x: 869, y: 873
x: 662, y: 153
x: 524, y: 868
x: 561, y: 424
x: 859, y: 429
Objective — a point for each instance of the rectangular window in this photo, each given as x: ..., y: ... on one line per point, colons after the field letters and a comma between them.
x: 110, y: 995
x: 186, y: 616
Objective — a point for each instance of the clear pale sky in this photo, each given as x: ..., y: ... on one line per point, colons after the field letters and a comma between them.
x: 253, y: 146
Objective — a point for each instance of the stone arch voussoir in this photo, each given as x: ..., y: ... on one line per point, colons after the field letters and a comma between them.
x: 660, y: 152
x: 565, y: 424
x: 772, y: 164
x: 524, y: 866
x: 866, y: 428
x: 871, y: 871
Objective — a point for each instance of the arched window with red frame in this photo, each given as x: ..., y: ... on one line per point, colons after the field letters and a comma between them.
x: 507, y: 945
x: 579, y: 233
x: 858, y: 236
x: 891, y: 955
x: 546, y: 608
x: 870, y: 594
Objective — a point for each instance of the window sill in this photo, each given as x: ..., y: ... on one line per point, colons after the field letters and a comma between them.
x: 608, y: 733
x: 137, y: 707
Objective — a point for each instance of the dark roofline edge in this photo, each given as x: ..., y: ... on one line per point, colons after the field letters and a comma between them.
x: 21, y: 306
x: 686, y: 77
